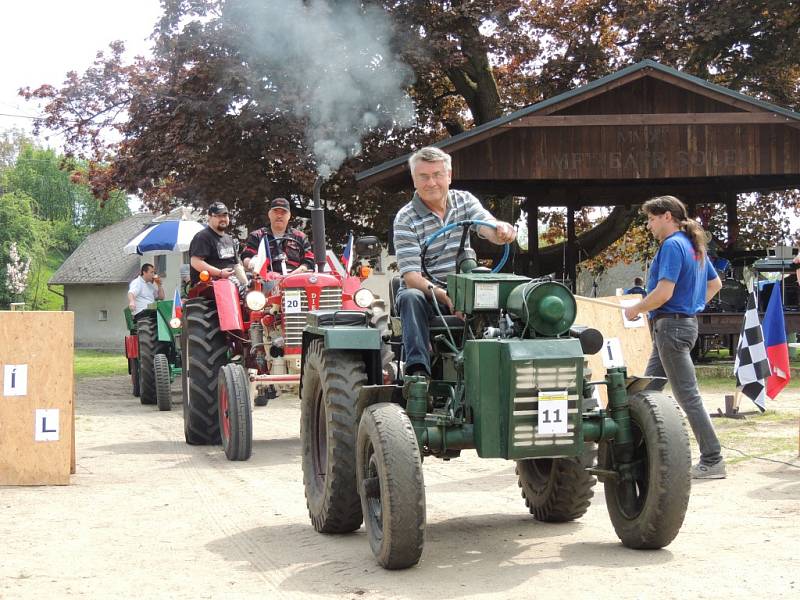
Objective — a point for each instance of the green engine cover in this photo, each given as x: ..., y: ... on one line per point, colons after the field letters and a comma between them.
x: 475, y: 292
x: 525, y: 396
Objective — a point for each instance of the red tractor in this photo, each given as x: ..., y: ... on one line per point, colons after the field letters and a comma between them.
x: 241, y: 339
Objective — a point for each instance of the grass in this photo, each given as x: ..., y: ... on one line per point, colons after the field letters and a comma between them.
x: 93, y: 363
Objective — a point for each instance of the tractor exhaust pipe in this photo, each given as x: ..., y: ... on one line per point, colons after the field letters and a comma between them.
x: 318, y: 228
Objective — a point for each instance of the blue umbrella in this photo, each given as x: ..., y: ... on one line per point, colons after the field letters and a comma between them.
x: 164, y: 237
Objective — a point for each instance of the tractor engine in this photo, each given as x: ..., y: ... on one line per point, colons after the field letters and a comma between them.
x: 508, y: 381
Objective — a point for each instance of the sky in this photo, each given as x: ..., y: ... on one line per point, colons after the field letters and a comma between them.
x: 41, y: 40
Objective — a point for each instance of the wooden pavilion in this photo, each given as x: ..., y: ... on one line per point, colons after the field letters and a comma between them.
x: 640, y: 132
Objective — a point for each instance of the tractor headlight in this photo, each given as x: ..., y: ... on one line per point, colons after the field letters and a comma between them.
x: 175, y: 323
x: 255, y: 300
x: 363, y: 298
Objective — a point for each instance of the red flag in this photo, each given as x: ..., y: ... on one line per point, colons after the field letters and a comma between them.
x: 775, y: 341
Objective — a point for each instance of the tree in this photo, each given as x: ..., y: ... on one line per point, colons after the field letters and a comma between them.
x: 218, y: 113
x: 21, y: 239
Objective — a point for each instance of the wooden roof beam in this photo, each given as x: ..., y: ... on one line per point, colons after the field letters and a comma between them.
x: 706, y: 118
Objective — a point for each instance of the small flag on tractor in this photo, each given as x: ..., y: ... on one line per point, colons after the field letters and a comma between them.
x: 752, y: 367
x: 177, y: 305
x: 262, y: 261
x: 776, y: 343
x: 347, y: 257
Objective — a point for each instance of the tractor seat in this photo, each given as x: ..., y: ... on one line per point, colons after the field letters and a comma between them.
x: 446, y: 322
x: 349, y: 318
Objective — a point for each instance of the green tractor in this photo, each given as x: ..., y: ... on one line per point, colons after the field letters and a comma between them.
x: 152, y: 350
x: 509, y: 380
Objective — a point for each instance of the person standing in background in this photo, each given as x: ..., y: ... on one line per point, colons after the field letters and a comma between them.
x: 682, y: 279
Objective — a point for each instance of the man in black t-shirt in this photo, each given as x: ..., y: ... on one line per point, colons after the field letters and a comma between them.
x: 212, y: 249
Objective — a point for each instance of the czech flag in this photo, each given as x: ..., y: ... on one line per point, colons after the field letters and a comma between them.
x: 347, y: 257
x: 775, y: 341
x: 262, y: 261
x: 177, y: 306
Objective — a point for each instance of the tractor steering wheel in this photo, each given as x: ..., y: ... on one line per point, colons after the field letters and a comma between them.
x: 463, y: 224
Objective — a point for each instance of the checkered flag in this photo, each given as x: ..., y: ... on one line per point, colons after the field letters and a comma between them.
x: 752, y: 366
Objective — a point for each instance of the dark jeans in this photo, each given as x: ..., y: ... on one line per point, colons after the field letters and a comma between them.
x: 673, y: 340
x: 415, y: 311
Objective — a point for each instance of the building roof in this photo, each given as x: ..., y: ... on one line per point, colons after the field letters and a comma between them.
x: 546, y: 107
x: 100, y: 259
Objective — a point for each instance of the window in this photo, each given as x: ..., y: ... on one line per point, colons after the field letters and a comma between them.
x: 102, y: 315
x: 160, y: 264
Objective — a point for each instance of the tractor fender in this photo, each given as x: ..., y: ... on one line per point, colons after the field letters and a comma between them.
x: 364, y: 339
x: 229, y: 308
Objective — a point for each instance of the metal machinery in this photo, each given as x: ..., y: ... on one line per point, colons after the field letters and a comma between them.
x: 243, y: 338
x: 507, y: 381
x: 151, y: 348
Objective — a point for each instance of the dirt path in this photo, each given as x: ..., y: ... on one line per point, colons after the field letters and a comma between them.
x: 148, y: 516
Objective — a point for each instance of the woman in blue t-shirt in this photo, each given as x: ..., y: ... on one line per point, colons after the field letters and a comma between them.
x: 681, y: 281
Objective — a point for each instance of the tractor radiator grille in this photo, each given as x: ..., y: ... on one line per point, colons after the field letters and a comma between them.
x: 530, y: 381
x: 294, y: 323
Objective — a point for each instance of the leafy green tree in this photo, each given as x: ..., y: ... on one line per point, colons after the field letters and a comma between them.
x: 22, y: 229
x: 201, y: 120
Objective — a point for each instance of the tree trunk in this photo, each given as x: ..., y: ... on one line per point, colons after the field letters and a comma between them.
x: 588, y: 244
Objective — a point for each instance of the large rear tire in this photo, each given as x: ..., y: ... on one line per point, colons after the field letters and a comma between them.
x: 133, y: 368
x: 205, y: 352
x: 163, y: 391
x: 390, y: 483
x: 328, y: 427
x: 148, y: 340
x: 235, y: 415
x: 647, y: 510
x: 557, y: 490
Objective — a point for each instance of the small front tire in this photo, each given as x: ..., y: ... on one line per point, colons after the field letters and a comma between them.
x: 391, y: 486
x: 235, y: 416
x: 163, y: 392
x: 647, y: 510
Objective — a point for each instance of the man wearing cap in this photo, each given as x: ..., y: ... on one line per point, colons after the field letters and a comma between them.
x: 283, y: 241
x: 212, y: 249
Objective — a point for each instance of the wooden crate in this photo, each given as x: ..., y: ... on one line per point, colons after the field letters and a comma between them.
x: 635, y: 343
x: 36, y: 349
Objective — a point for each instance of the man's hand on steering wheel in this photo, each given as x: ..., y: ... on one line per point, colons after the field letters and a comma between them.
x: 504, y: 232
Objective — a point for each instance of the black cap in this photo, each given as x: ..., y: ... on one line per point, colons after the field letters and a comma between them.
x: 280, y: 203
x: 217, y: 208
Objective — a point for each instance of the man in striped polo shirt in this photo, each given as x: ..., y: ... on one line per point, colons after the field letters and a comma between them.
x: 433, y: 206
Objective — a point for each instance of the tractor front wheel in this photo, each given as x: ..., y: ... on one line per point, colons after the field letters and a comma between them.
x: 205, y: 352
x: 331, y: 382
x: 235, y: 416
x: 557, y: 490
x: 391, y: 486
x: 163, y: 392
x: 148, y: 340
x: 647, y: 501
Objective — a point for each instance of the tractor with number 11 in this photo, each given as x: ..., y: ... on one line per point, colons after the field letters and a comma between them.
x: 508, y: 381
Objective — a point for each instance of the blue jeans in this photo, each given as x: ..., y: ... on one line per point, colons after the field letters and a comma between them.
x: 415, y: 311
x: 673, y: 340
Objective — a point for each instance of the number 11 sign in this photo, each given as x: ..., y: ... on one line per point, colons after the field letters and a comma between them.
x: 553, y: 414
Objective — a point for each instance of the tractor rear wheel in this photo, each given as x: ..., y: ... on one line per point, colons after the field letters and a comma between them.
x: 163, y: 392
x: 205, y: 352
x: 647, y: 509
x: 133, y: 369
x: 391, y: 486
x: 557, y: 490
x: 148, y: 341
x: 235, y: 416
x: 328, y: 427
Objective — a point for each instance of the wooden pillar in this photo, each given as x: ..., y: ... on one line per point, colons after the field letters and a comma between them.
x: 572, y: 250
x: 733, y: 219
x: 533, y: 238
